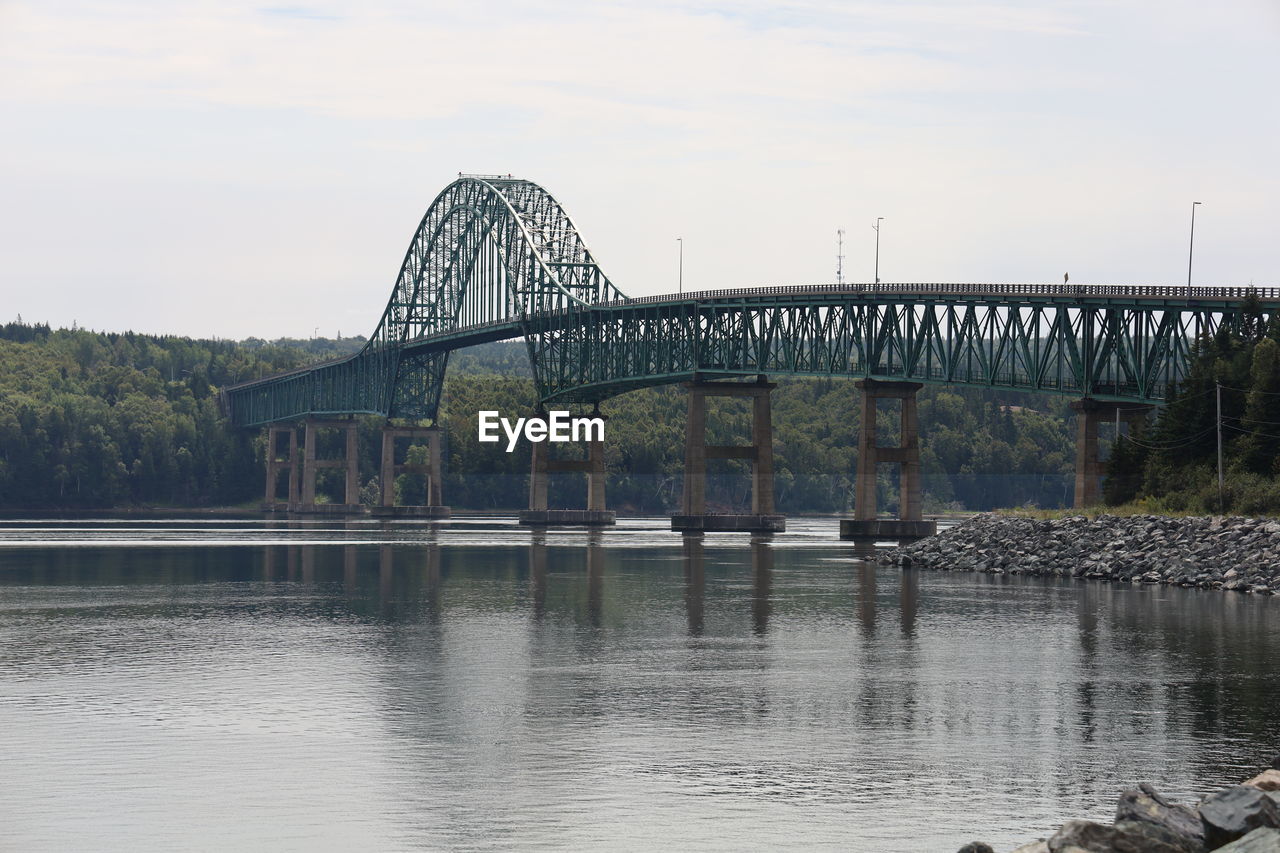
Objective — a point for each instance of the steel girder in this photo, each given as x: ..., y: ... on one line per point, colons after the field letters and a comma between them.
x: 1127, y: 348
x: 497, y: 258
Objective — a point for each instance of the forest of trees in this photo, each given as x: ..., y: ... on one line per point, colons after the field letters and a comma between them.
x: 107, y: 420
x: 94, y: 420
x: 1171, y: 465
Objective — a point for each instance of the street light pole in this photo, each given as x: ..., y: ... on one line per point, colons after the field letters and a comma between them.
x: 680, y: 240
x: 1192, y: 249
x: 879, y: 219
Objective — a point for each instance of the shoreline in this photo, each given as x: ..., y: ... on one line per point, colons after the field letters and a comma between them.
x: 1205, y: 552
x: 1244, y: 818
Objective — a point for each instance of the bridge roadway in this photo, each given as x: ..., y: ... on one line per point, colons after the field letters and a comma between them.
x: 1096, y: 340
x: 497, y: 257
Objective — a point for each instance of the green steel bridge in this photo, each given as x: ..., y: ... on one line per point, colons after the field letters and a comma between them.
x: 497, y: 258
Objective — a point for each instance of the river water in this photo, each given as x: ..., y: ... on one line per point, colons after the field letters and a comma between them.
x: 254, y: 685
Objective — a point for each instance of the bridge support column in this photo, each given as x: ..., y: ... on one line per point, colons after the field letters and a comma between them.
x: 312, y: 464
x: 693, y: 517
x: 390, y: 469
x: 865, y: 524
x: 275, y: 465
x: 1090, y: 469
x: 543, y: 466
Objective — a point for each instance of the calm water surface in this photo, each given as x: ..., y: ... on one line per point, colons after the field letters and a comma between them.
x: 255, y: 685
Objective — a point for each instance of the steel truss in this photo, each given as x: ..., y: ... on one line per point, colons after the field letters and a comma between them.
x: 490, y: 252
x: 497, y: 258
x: 1105, y: 347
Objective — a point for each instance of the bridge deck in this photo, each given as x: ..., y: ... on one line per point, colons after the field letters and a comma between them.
x: 1097, y: 294
x: 1107, y: 341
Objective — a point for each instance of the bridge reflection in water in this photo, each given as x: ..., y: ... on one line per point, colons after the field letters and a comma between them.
x: 432, y: 686
x: 417, y: 571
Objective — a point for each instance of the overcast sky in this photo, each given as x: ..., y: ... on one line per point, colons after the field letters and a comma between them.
x: 233, y: 169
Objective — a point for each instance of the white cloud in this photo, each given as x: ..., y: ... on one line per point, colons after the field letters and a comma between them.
x: 290, y: 148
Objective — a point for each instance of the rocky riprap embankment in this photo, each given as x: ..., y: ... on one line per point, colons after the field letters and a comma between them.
x: 1213, y: 553
x: 1242, y: 819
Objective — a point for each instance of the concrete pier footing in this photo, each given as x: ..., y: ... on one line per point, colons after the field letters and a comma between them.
x: 567, y: 518
x: 304, y: 463
x: 693, y: 516
x: 866, y: 524
x: 291, y: 462
x: 542, y: 466
x: 883, y: 529
x: 390, y: 469
x: 1089, y: 468
x: 312, y: 464
x: 729, y: 523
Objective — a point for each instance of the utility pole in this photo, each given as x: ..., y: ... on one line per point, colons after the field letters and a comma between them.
x: 839, y: 256
x: 1221, y: 508
x: 1191, y: 250
x: 879, y: 219
x: 680, y: 240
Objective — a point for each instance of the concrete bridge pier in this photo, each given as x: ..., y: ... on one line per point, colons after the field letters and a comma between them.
x: 292, y: 462
x: 543, y: 466
x: 693, y: 517
x: 432, y: 470
x: 1089, y: 468
x: 312, y: 463
x: 865, y: 524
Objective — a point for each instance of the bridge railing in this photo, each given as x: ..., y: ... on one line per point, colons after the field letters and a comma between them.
x: 1270, y: 294
x: 944, y: 288
x: 1081, y: 291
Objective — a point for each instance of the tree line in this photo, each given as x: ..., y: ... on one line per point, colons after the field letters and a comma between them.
x: 1171, y: 463
x: 108, y: 420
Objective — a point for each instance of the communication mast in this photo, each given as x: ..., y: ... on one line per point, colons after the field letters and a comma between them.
x: 839, y: 256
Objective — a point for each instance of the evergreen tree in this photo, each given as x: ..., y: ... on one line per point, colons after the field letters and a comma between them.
x: 1125, y: 467
x: 1259, y: 446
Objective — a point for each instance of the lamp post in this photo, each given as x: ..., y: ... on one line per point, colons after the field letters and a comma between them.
x: 1192, y: 249
x: 680, y: 240
x: 879, y: 219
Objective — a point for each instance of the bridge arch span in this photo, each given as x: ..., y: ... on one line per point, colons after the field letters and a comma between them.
x: 490, y: 252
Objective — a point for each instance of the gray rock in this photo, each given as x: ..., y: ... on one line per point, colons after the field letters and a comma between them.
x: 1080, y: 834
x: 1267, y: 780
x: 1186, y: 552
x: 1154, y: 837
x: 1040, y: 846
x: 1235, y: 812
x: 1262, y: 840
x: 1145, y: 804
x: 1132, y: 837
x: 976, y: 847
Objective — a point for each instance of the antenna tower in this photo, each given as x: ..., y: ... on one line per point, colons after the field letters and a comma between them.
x: 839, y: 256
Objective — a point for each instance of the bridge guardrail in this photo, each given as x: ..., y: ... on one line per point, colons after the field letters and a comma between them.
x: 911, y: 289
x: 943, y: 288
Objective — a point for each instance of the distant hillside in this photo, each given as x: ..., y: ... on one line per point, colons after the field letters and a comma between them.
x: 90, y: 419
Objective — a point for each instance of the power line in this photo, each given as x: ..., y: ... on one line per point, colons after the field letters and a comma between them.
x: 1254, y: 391
x: 1194, y: 396
x: 1242, y: 420
x: 1170, y: 446
x: 1251, y: 432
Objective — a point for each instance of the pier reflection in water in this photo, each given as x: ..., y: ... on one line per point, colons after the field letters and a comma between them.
x: 476, y: 684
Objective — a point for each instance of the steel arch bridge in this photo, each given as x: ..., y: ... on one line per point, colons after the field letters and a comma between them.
x: 497, y: 258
